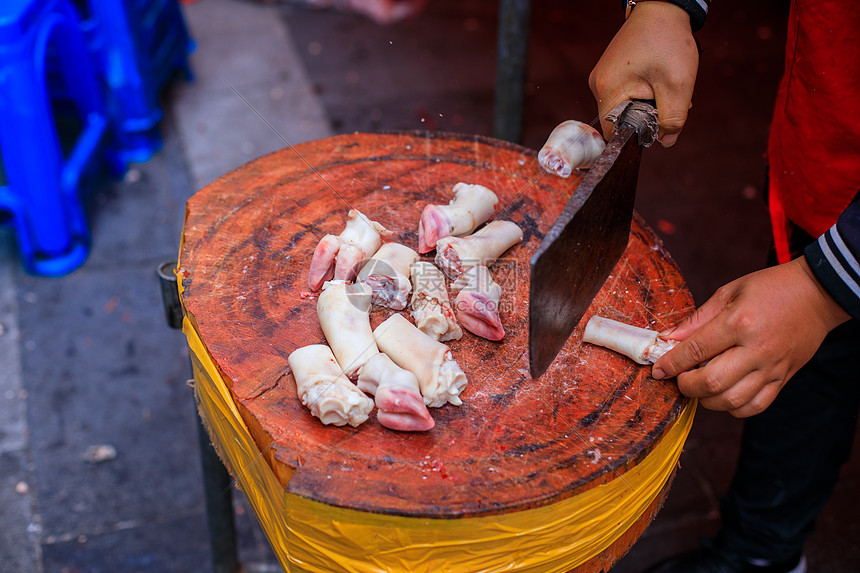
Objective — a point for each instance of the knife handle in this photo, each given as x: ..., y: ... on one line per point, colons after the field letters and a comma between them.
x: 641, y: 115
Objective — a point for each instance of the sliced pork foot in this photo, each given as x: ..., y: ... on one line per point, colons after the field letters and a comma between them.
x: 387, y: 274
x: 479, y: 314
x: 323, y: 388
x: 639, y: 344
x: 398, y: 396
x: 401, y: 409
x: 477, y: 304
x: 431, y: 308
x: 440, y: 378
x: 344, y: 314
x: 455, y: 254
x: 338, y: 256
x: 472, y: 206
x: 571, y: 145
x: 323, y: 262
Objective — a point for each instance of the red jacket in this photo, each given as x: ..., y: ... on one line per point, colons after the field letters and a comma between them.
x: 814, y: 144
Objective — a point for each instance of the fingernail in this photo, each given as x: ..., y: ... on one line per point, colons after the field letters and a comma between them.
x: 657, y: 373
x: 669, y: 140
x: 667, y: 332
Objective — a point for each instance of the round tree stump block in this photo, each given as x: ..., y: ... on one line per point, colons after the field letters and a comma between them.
x: 515, y: 443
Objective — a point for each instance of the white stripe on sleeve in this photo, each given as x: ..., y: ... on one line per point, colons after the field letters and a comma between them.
x: 837, y: 266
x: 843, y: 248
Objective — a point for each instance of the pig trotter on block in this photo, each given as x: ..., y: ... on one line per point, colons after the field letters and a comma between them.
x: 639, y: 344
x: 397, y: 395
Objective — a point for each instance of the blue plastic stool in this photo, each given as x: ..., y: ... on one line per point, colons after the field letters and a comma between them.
x: 139, y: 45
x: 42, y: 187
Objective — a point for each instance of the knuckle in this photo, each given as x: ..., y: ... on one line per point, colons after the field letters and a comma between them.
x: 711, y: 384
x: 740, y: 321
x: 724, y: 294
x: 734, y: 402
x: 606, y: 88
x: 696, y: 351
x: 757, y: 408
x: 673, y: 124
x: 597, y: 82
x: 678, y: 78
x: 747, y: 410
x: 774, y: 387
x: 760, y: 402
x: 592, y: 81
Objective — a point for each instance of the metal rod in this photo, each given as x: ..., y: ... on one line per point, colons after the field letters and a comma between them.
x: 513, y: 44
x: 217, y: 485
x: 170, y: 294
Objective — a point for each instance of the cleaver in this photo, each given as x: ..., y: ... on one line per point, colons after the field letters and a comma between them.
x: 588, y: 238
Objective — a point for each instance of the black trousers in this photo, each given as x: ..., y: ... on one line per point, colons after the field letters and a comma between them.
x: 791, y: 453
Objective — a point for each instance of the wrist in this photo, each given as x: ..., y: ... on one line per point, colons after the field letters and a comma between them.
x: 832, y: 313
x: 663, y: 10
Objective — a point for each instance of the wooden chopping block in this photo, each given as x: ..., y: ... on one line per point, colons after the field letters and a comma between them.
x: 515, y: 443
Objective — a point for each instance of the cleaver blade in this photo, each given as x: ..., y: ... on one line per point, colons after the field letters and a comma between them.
x: 588, y: 238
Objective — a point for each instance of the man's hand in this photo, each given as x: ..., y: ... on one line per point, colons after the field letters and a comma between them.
x: 751, y: 337
x: 653, y: 56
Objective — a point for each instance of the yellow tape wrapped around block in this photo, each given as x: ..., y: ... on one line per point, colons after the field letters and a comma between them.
x: 313, y: 537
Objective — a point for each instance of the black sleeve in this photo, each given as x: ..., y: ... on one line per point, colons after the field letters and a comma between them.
x: 697, y: 9
x: 834, y: 259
